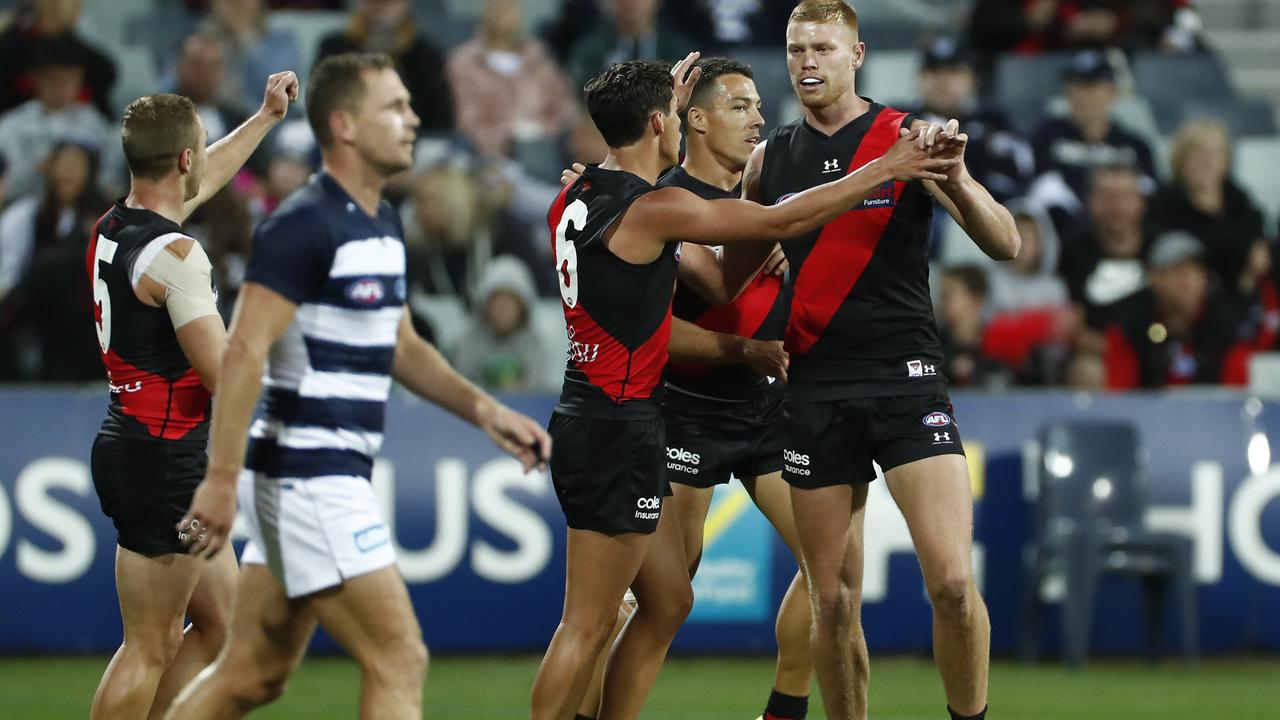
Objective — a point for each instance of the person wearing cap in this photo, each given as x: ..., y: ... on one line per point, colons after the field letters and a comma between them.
x: 32, y: 23
x: 1182, y: 330
x: 29, y: 131
x: 1067, y: 149
x: 997, y: 156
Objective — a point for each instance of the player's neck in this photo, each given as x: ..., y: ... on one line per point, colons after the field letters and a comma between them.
x: 638, y: 159
x: 702, y: 164
x: 843, y: 111
x: 164, y: 198
x: 360, y: 181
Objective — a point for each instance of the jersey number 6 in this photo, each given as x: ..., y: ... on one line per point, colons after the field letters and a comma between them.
x: 106, y: 252
x: 567, y: 252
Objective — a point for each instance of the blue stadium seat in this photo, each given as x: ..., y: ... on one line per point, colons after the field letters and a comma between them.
x: 1024, y: 84
x: 1157, y: 75
x: 1244, y: 117
x: 1089, y: 520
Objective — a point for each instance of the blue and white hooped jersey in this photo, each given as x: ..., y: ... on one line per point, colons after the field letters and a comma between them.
x: 329, y: 375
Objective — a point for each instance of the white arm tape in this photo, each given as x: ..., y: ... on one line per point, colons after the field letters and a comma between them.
x: 188, y: 284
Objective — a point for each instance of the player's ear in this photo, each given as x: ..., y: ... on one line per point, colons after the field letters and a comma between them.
x: 185, y: 159
x: 696, y: 119
x: 657, y: 123
x: 342, y: 125
x: 859, y: 54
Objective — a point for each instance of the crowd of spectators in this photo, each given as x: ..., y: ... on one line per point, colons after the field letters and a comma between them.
x: 1126, y: 278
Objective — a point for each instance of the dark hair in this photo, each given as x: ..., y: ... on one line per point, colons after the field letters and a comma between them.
x: 621, y: 98
x: 713, y: 69
x: 973, y: 277
x: 337, y: 83
x: 1117, y: 168
x: 61, y: 50
x: 156, y: 129
x: 87, y: 206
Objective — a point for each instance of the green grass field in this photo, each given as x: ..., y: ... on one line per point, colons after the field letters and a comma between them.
x: 726, y: 689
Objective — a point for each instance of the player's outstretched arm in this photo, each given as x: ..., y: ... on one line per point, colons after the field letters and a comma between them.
x: 424, y: 371
x: 213, y: 509
x: 691, y: 343
x: 180, y: 279
x: 988, y: 222
x: 229, y: 154
x: 677, y: 214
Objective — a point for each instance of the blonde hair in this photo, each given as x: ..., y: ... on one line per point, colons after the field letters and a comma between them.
x: 825, y: 11
x: 1192, y: 134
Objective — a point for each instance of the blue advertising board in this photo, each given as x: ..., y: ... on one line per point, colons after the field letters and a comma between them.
x: 481, y: 545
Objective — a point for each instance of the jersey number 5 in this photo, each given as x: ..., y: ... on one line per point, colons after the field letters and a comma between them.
x: 105, y: 253
x: 567, y: 252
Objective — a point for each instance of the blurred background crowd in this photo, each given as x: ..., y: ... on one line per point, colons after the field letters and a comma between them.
x: 1134, y: 141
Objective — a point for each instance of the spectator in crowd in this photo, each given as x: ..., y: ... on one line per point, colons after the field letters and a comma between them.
x: 505, y: 350
x: 1102, y: 265
x: 581, y: 17
x: 35, y: 21
x: 386, y: 26
x: 1203, y: 200
x: 454, y: 227
x: 997, y: 156
x: 251, y: 50
x: 44, y: 241
x: 506, y: 87
x: 200, y: 76
x: 1068, y: 149
x: 1030, y: 280
x: 29, y: 131
x: 1034, y: 26
x: 632, y: 32
x: 1182, y: 330
x: 963, y: 324
x: 4, y: 180
x: 293, y: 159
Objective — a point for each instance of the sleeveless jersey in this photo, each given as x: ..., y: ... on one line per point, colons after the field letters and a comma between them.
x: 617, y: 313
x: 154, y: 391
x: 861, y: 322
x: 759, y: 312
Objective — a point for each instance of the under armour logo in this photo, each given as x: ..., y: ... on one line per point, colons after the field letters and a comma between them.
x: 942, y: 437
x: 830, y: 166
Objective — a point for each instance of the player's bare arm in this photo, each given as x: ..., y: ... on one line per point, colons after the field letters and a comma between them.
x: 229, y: 154
x: 213, y: 509
x: 691, y: 343
x: 988, y: 222
x: 423, y: 370
x: 180, y: 280
x: 674, y: 214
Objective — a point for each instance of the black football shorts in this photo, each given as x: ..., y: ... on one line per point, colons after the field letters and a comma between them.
x: 834, y: 442
x: 708, y: 440
x: 609, y: 474
x: 145, y: 487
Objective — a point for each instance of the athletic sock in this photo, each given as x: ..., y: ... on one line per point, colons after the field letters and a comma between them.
x: 957, y: 716
x: 786, y: 707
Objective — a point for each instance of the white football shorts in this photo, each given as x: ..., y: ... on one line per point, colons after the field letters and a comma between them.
x: 313, y: 534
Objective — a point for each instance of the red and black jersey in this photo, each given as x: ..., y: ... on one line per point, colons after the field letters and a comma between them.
x: 617, y: 314
x: 861, y: 321
x: 154, y: 391
x: 759, y: 312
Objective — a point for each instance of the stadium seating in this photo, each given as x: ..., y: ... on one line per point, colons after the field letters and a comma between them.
x: 1160, y: 75
x: 1243, y: 117
x: 1255, y: 169
x: 1024, y: 84
x: 889, y: 76
x: 1090, y: 485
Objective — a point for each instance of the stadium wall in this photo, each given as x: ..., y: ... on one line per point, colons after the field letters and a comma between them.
x: 482, y: 545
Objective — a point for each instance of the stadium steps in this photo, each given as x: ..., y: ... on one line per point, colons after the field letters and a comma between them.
x: 1246, y: 33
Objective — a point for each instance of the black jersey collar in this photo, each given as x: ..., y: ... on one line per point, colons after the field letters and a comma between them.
x: 856, y: 126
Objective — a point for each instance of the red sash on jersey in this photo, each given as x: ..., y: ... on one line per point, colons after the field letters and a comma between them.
x: 843, y: 248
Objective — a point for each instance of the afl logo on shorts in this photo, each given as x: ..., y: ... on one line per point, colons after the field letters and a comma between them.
x: 937, y: 419
x: 365, y: 292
